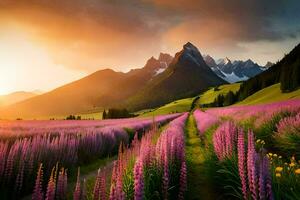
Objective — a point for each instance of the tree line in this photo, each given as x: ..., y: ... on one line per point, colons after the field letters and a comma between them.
x: 114, y: 113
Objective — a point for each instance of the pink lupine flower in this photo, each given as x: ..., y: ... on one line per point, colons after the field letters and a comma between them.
x: 251, y: 165
x: 225, y: 139
x: 100, y: 186
x: 112, y: 195
x: 103, y: 187
x: 20, y: 176
x: 183, y: 181
x: 269, y: 192
x: 138, y: 180
x: 165, y: 178
x: 61, y: 191
x: 38, y: 189
x: 50, y: 195
x: 3, y: 153
x: 119, y: 188
x: 262, y: 179
x: 77, y: 191
x: 96, y: 192
x: 242, y: 162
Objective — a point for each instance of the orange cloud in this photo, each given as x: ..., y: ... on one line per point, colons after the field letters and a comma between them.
x: 94, y: 34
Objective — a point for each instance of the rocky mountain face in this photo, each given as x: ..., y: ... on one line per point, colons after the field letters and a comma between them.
x: 186, y: 75
x: 234, y: 71
x: 154, y: 66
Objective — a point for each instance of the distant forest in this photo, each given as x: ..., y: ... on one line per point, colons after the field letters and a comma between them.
x: 114, y: 113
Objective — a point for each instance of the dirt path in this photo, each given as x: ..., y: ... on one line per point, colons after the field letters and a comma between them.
x: 198, y: 183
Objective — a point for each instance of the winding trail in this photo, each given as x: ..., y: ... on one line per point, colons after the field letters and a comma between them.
x: 198, y: 182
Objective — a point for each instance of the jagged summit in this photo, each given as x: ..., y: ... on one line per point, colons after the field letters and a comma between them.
x: 189, y: 56
x: 189, y: 46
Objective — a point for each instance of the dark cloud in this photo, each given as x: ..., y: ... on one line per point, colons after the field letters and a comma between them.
x: 250, y: 20
x: 81, y: 33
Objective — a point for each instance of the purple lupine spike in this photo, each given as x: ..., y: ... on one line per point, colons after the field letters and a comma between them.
x: 61, y: 191
x: 20, y: 176
x: 10, y: 161
x: 138, y: 180
x: 103, y: 187
x: 183, y: 181
x: 112, y: 195
x: 165, y: 177
x: 251, y: 165
x: 267, y: 179
x: 119, y: 188
x: 77, y: 191
x: 225, y: 139
x: 50, y: 195
x: 3, y: 154
x: 96, y: 192
x: 269, y: 192
x: 242, y: 161
x: 262, y: 179
x: 114, y: 173
x: 38, y: 191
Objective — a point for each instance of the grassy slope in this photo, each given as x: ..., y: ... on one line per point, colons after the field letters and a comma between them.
x: 182, y: 105
x: 269, y: 95
x: 198, y: 185
x: 210, y: 95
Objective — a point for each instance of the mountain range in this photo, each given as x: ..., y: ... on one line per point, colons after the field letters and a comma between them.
x: 12, y: 98
x: 236, y: 70
x: 161, y: 80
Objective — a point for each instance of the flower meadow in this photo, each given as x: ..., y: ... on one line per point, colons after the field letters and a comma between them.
x: 204, y: 120
x: 237, y: 152
x: 65, y: 146
x: 255, y: 157
x: 261, y: 113
x: 151, y: 168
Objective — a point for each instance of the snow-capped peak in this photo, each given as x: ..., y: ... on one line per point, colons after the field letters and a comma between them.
x: 236, y: 70
x: 227, y: 60
x: 223, y: 61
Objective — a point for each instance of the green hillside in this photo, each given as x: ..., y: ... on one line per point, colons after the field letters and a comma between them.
x: 266, y: 95
x: 184, y: 105
x: 269, y: 95
x: 181, y: 105
x: 210, y: 95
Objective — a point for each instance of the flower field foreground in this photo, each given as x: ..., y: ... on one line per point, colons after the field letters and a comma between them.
x: 152, y: 168
x: 256, y: 160
x: 253, y: 165
x: 278, y: 124
x: 20, y: 158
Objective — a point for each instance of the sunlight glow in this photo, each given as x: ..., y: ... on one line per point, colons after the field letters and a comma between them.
x: 26, y: 66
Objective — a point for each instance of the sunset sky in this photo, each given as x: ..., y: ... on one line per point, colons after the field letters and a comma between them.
x: 46, y: 43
